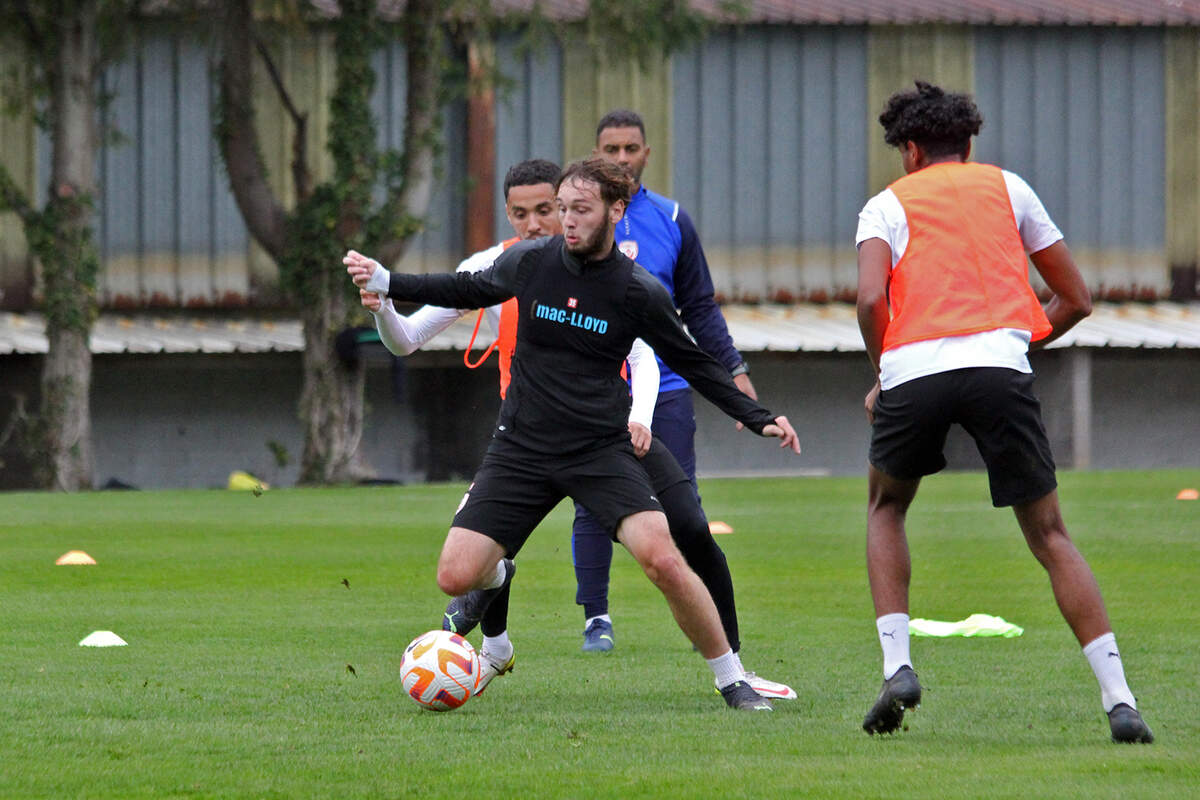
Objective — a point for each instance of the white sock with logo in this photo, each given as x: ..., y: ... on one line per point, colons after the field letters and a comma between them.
x: 498, y: 649
x: 893, y: 638
x: 1105, y: 659
x: 726, y: 669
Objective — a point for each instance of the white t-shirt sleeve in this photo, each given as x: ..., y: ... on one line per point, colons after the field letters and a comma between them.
x: 643, y: 381
x: 883, y: 218
x: 1037, y: 230
x: 481, y: 260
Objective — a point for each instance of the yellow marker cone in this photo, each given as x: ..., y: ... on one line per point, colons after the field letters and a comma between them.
x: 717, y: 526
x: 245, y: 482
x: 1188, y: 494
x: 74, y: 558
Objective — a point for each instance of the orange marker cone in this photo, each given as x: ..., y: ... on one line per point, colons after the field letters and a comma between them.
x: 74, y: 558
x: 1188, y: 494
x: 717, y: 527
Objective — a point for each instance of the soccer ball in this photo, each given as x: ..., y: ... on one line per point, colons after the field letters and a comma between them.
x: 440, y: 670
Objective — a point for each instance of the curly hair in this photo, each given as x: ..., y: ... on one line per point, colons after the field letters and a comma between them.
x: 531, y: 173
x: 614, y: 180
x: 942, y: 124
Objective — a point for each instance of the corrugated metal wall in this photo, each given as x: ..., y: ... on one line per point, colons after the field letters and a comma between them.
x: 769, y: 139
x: 18, y: 146
x: 440, y: 245
x: 529, y: 116
x: 1183, y: 155
x: 1080, y: 114
x: 768, y: 159
x: 169, y: 231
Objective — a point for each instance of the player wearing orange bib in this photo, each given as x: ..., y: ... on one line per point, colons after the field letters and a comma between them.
x: 948, y: 317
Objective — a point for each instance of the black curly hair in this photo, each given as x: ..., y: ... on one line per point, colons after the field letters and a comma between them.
x: 942, y: 124
x: 531, y: 173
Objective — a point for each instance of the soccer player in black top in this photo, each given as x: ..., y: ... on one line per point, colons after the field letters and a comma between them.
x: 562, y: 427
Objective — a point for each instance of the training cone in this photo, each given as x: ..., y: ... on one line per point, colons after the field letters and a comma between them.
x: 717, y: 526
x: 102, y: 639
x: 74, y: 558
x: 1188, y: 494
x: 245, y: 482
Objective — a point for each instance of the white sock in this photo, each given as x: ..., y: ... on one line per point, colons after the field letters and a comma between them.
x: 587, y: 623
x: 1105, y: 659
x: 726, y: 668
x: 498, y: 648
x: 497, y: 580
x: 893, y: 638
x: 738, y: 658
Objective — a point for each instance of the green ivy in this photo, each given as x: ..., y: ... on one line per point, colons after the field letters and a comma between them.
x: 61, y: 238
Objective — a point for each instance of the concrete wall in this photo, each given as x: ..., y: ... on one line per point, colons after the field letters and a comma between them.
x: 163, y: 421
x: 188, y: 421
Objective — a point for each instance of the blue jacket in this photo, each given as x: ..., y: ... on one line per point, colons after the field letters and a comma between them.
x: 659, y: 235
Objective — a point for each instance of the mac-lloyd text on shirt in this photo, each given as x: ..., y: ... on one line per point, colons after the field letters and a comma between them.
x: 567, y: 316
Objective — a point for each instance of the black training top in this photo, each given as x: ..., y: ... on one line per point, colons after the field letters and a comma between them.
x: 577, y: 323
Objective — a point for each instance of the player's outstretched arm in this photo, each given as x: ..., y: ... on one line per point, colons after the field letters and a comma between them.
x: 459, y: 290
x: 401, y: 335
x: 660, y: 326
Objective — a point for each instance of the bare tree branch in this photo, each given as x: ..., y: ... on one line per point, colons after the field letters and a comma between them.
x: 300, y: 173
x: 423, y: 46
x: 238, y: 135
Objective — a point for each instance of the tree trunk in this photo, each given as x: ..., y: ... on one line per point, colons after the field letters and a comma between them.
x: 331, y: 405
x: 64, y: 460
x: 65, y: 419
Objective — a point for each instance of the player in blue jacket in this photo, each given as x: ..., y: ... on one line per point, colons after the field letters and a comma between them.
x: 659, y: 235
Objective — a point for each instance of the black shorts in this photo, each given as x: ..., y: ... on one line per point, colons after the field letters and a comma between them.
x: 515, y: 488
x: 996, y: 406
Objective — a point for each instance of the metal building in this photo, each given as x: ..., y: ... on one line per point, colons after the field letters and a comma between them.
x: 766, y: 133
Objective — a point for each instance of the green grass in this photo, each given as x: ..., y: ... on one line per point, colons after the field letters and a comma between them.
x: 240, y: 630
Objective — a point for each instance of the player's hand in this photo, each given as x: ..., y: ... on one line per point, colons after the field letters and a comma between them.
x: 640, y: 435
x: 783, y: 429
x: 370, y: 301
x: 743, y: 382
x: 362, y: 269
x: 869, y: 403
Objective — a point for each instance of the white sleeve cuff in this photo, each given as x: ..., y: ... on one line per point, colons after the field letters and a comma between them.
x: 380, y: 281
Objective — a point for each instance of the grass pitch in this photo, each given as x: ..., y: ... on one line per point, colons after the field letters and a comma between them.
x: 254, y: 670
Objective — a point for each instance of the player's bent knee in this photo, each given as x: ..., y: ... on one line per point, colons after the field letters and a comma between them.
x: 665, y: 567
x: 455, y: 579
